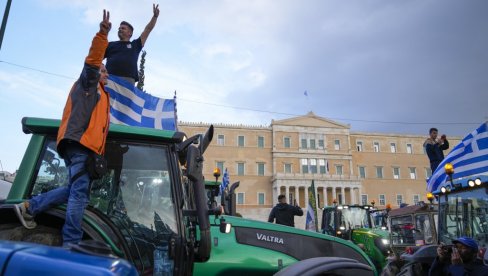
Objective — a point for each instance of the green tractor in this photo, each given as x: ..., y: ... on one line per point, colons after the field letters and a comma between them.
x: 152, y: 209
x: 355, y: 223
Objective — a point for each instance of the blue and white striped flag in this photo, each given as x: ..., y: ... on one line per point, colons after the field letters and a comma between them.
x: 131, y: 106
x: 225, y: 181
x: 470, y: 157
x: 311, y: 219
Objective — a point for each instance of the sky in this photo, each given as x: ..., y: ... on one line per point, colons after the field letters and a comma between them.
x: 380, y: 66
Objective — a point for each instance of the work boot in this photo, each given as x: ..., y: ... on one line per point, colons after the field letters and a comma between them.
x: 24, y: 217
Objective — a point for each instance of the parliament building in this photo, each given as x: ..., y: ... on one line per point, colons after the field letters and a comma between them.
x: 346, y: 166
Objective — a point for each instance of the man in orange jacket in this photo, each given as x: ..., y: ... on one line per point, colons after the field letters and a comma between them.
x: 82, y: 133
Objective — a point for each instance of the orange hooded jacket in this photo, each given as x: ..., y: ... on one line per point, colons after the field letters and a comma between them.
x: 86, y: 113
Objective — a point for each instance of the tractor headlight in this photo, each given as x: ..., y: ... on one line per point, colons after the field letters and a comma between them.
x: 383, y: 245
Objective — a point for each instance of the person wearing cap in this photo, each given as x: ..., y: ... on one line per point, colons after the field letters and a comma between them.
x: 122, y: 55
x: 462, y: 261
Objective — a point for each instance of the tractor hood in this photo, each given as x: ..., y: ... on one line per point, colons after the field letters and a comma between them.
x: 297, y: 243
x: 46, y: 260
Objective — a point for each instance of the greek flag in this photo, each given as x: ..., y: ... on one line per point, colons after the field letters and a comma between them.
x: 225, y: 181
x: 470, y: 157
x: 131, y: 106
x: 311, y: 220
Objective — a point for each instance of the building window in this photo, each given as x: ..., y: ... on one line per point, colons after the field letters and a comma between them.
x: 220, y: 140
x: 304, y: 165
x: 240, y: 198
x: 286, y: 142
x: 379, y: 172
x: 337, y: 144
x: 321, y: 144
x: 396, y: 173
x: 382, y: 200
x: 260, y: 142
x: 312, y: 143
x: 364, y: 199
x: 376, y: 146
x: 413, y: 173
x: 287, y: 168
x: 304, y: 143
x: 362, y: 172
x: 399, y: 199
x: 220, y: 165
x: 428, y: 172
x: 359, y: 145
x: 338, y: 169
x: 323, y: 166
x: 261, y: 198
x: 393, y: 147
x: 313, y: 165
x: 240, y: 141
x: 416, y: 199
x: 409, y: 148
x: 240, y: 168
x: 261, y: 169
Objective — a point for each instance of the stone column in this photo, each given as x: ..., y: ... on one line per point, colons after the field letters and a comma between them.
x: 287, y: 191
x: 297, y: 195
x: 343, y: 195
x: 334, y: 194
x: 306, y: 197
x: 325, y: 196
x: 351, y: 195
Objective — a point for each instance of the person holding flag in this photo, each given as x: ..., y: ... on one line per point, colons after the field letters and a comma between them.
x: 284, y: 213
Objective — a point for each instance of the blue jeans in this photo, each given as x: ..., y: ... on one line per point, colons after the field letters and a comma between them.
x: 75, y: 194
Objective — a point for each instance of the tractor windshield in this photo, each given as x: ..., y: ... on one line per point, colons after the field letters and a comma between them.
x: 135, y: 194
x: 379, y: 218
x: 464, y: 213
x: 354, y: 217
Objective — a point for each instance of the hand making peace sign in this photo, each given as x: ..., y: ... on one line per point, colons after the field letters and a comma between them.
x: 105, y: 25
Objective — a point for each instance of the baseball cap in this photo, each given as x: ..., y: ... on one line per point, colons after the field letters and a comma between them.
x: 469, y: 242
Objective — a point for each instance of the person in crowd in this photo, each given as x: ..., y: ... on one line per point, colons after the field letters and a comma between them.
x: 122, y: 56
x: 434, y: 148
x: 82, y: 132
x: 459, y: 259
x: 284, y: 213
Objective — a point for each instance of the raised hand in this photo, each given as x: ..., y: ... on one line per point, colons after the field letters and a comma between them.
x: 155, y: 10
x: 105, y: 25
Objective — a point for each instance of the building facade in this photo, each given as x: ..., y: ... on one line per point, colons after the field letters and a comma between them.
x: 284, y: 158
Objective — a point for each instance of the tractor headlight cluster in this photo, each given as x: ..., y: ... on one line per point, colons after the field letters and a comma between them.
x: 452, y: 187
x: 475, y: 182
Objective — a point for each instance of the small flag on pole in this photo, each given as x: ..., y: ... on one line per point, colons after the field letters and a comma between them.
x: 131, y: 106
x: 305, y: 93
x: 311, y: 220
x: 225, y: 181
x: 469, y: 157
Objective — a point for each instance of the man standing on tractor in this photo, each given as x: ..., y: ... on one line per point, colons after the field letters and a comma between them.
x: 285, y: 213
x: 434, y: 148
